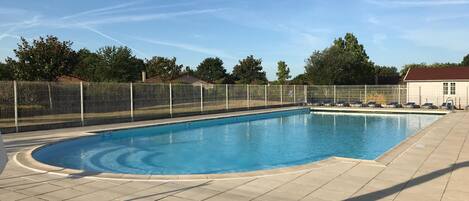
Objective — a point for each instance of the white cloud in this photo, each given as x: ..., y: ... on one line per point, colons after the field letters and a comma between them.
x: 99, y: 10
x: 418, y: 2
x: 189, y: 47
x: 374, y: 20
x: 5, y: 35
x: 115, y: 40
x: 448, y: 17
x: 142, y: 8
x: 455, y: 39
x: 12, y: 11
x: 379, y: 38
x: 144, y: 17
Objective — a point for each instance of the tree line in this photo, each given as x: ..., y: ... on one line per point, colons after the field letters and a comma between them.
x: 344, y: 62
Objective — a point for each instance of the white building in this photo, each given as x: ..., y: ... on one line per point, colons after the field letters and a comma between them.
x: 438, y: 85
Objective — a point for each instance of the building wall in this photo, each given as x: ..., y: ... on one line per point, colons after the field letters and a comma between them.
x: 421, y: 92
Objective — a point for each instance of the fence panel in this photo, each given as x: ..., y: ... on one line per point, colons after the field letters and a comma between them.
x: 150, y: 100
x: 299, y: 94
x: 288, y: 94
x: 7, y: 110
x: 237, y: 95
x: 382, y: 94
x: 214, y: 97
x: 350, y: 94
x: 273, y: 95
x: 433, y: 93
x: 256, y: 95
x: 320, y: 93
x: 186, y: 99
x: 47, y: 105
x: 106, y: 102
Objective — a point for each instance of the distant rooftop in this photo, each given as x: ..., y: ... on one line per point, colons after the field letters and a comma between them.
x: 428, y: 74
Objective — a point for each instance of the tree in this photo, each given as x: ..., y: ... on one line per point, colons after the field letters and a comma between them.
x: 283, y: 72
x: 299, y: 80
x: 188, y: 71
x: 345, y: 62
x: 211, y: 70
x: 249, y: 71
x: 386, y: 75
x: 465, y: 61
x: 6, y: 73
x: 87, y: 66
x: 117, y: 64
x: 165, y: 68
x: 44, y: 59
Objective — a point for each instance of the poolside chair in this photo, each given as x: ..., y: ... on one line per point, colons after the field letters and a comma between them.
x: 373, y: 104
x: 411, y: 105
x: 329, y: 103
x: 447, y: 106
x: 392, y: 105
x: 356, y: 104
x: 429, y: 106
x: 342, y: 104
x: 317, y: 104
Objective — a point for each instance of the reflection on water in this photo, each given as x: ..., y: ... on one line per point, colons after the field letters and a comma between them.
x: 237, y: 144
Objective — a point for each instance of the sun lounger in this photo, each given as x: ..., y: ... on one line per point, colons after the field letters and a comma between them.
x: 373, y: 104
x: 411, y: 105
x: 356, y: 104
x: 392, y: 105
x: 342, y: 104
x: 429, y: 106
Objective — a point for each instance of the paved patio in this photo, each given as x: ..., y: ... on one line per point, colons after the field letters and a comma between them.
x: 433, y: 165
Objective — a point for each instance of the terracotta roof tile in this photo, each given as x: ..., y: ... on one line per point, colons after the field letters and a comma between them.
x: 450, y: 73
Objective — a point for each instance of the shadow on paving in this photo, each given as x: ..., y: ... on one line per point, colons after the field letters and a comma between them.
x: 71, y: 176
x: 171, y: 191
x: 408, y: 184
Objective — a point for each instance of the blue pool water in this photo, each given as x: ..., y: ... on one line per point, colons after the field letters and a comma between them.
x: 236, y: 144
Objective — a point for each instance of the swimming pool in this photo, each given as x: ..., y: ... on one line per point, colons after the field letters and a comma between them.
x: 236, y: 144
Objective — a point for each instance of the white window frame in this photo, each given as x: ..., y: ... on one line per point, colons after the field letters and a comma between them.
x: 445, y: 88
x: 452, y: 88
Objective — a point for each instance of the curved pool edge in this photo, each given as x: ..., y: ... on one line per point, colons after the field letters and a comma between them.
x: 25, y: 159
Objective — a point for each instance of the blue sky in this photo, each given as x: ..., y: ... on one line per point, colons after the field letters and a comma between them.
x: 394, y: 32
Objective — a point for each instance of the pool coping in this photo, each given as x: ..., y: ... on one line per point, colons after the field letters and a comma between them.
x: 24, y: 157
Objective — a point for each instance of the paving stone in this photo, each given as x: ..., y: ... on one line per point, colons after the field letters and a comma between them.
x: 61, y: 194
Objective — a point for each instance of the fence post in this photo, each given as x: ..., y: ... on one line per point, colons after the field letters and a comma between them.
x: 399, y: 94
x: 467, y: 96
x: 420, y: 95
x: 50, y: 95
x: 281, y: 95
x: 335, y: 94
x: 305, y: 87
x: 82, y: 108
x: 131, y: 101
x: 15, y: 97
x: 265, y: 95
x: 247, y: 95
x: 366, y: 94
x: 294, y: 94
x: 170, y: 100
x: 227, y: 97
x: 201, y: 98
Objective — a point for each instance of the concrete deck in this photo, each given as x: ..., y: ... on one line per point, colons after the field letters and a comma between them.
x: 433, y: 165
